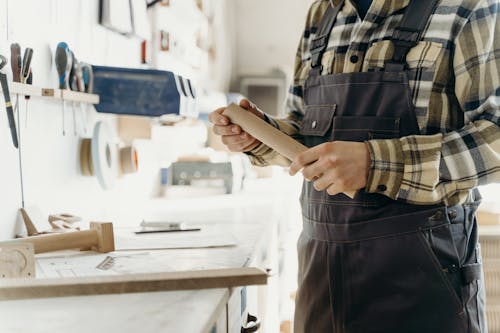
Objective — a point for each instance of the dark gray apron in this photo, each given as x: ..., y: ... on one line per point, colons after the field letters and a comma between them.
x: 373, y: 264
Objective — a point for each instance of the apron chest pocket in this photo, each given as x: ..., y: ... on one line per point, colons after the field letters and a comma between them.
x: 363, y: 128
x: 317, y: 124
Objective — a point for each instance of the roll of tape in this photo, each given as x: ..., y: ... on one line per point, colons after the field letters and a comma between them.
x: 129, y: 160
x: 86, y: 158
x: 104, y: 156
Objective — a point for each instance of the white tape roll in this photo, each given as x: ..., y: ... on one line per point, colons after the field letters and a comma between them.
x: 104, y: 156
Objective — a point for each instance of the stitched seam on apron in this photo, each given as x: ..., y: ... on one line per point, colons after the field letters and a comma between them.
x: 437, y: 266
x: 370, y: 238
x: 330, y: 286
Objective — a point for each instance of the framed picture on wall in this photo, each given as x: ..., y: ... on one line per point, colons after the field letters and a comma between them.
x: 116, y: 15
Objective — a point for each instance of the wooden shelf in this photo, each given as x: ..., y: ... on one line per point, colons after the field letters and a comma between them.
x: 67, y: 95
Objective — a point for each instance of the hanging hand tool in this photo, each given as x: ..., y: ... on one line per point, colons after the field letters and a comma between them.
x: 88, y: 77
x: 75, y: 84
x: 29, y: 80
x: 27, y: 75
x: 15, y: 61
x: 64, y: 63
x: 26, y: 67
x: 8, y: 103
x: 88, y: 82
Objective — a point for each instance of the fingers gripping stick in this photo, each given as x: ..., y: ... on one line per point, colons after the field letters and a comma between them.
x: 267, y: 134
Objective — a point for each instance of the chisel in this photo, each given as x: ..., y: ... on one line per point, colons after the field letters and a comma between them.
x: 15, y: 61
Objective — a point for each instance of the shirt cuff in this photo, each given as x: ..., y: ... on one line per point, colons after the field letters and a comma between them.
x: 386, y: 167
x: 263, y: 155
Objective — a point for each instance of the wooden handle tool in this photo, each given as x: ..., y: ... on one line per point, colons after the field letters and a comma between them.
x: 98, y: 238
x: 267, y: 134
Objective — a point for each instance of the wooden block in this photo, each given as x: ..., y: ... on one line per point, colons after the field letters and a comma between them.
x: 267, y: 134
x: 132, y: 283
x: 48, y: 92
x: 105, y: 237
x: 134, y: 127
x: 488, y: 218
x: 17, y: 260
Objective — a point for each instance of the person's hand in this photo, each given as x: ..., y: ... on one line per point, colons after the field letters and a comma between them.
x: 232, y: 135
x: 337, y: 167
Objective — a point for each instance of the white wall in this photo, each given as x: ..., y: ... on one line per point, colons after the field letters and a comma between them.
x: 267, y: 35
x: 51, y: 161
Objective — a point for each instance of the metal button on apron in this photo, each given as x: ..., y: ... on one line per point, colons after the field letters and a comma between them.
x: 314, y: 124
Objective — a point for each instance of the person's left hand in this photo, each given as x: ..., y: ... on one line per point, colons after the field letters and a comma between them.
x: 338, y: 166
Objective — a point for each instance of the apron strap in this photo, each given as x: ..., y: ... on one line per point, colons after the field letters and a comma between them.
x: 407, y: 34
x: 319, y: 44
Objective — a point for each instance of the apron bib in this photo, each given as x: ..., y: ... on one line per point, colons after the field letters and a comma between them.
x: 372, y: 264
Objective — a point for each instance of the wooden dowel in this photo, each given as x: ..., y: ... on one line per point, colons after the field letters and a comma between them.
x: 68, y: 240
x: 267, y: 134
x: 99, y: 238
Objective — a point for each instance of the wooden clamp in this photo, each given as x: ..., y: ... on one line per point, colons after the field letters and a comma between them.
x: 98, y: 238
x: 267, y: 134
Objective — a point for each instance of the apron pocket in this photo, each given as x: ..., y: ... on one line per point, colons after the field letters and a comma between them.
x: 363, y: 128
x: 395, y: 284
x: 317, y: 124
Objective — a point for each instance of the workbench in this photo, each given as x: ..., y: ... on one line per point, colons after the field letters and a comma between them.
x: 172, y: 311
x: 255, y: 226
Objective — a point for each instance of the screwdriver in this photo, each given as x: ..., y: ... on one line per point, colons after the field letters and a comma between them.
x: 64, y: 63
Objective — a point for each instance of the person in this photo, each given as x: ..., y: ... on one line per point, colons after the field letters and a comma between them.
x: 403, y: 106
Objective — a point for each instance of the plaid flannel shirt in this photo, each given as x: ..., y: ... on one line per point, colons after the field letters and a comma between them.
x: 454, y: 74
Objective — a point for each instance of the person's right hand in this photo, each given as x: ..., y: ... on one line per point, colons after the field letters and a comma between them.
x: 235, y: 139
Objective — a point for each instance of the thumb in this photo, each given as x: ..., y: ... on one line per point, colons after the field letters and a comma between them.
x: 249, y: 106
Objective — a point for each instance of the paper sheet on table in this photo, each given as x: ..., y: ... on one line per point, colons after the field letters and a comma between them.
x: 206, y: 238
x: 93, y: 264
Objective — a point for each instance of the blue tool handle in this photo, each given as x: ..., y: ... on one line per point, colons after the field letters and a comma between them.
x: 64, y: 64
x: 8, y: 107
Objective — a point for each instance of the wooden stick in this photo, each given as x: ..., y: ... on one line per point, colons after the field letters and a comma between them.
x: 131, y: 283
x: 99, y: 238
x: 267, y: 134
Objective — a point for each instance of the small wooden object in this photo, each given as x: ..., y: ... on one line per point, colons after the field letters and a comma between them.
x: 267, y: 134
x: 129, y: 161
x: 30, y: 227
x: 86, y: 165
x: 99, y: 238
x: 17, y: 261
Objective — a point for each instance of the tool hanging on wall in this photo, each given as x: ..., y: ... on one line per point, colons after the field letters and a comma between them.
x: 88, y: 83
x: 76, y: 84
x: 15, y: 61
x: 25, y: 77
x: 8, y: 102
x: 64, y: 64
